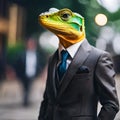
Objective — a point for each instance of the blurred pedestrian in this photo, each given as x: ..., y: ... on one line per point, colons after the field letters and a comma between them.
x: 28, y: 66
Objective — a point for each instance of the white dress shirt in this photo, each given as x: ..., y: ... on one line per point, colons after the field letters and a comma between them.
x: 31, y: 63
x: 71, y: 50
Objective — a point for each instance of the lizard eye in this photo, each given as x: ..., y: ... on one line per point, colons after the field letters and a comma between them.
x: 65, y: 16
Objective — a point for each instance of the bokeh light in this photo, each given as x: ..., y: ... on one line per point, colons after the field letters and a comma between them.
x: 48, y: 41
x: 101, y: 19
x: 116, y: 45
x: 111, y: 5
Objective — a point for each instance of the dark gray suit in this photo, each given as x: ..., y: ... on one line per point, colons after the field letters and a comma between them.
x: 88, y: 79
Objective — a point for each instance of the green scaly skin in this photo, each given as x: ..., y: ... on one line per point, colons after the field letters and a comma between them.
x: 67, y: 25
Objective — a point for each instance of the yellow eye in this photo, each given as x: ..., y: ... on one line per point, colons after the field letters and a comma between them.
x: 65, y: 16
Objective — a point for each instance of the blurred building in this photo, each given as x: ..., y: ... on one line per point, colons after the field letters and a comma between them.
x: 12, y: 19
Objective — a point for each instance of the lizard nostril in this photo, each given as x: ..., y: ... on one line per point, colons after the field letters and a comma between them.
x: 47, y: 16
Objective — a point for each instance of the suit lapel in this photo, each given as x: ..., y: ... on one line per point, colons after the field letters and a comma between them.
x: 77, y: 61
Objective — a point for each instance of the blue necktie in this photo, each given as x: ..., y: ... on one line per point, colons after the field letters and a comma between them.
x: 62, y: 65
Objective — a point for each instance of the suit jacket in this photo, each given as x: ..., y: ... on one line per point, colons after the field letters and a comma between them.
x: 88, y: 79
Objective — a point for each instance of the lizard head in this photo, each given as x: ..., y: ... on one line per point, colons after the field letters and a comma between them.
x: 67, y: 25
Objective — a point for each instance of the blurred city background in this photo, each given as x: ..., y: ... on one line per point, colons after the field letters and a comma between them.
x: 19, y: 23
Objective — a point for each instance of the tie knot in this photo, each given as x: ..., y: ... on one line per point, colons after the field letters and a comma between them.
x: 64, y: 55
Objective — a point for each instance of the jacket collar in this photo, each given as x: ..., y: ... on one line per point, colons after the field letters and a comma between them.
x: 71, y: 50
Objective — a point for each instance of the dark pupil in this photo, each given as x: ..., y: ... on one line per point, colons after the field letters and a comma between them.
x: 65, y: 15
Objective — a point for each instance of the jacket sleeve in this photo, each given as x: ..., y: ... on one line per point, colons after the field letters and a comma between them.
x: 44, y: 103
x: 43, y: 107
x: 105, y: 87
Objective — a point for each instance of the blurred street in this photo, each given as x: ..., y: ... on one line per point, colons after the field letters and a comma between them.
x: 11, y: 107
x: 11, y: 101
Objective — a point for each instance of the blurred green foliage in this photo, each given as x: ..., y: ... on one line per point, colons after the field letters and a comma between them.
x: 13, y: 51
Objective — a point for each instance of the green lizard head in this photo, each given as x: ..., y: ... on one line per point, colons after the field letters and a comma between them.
x: 67, y: 25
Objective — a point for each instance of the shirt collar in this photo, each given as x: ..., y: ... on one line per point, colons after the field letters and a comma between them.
x: 71, y: 50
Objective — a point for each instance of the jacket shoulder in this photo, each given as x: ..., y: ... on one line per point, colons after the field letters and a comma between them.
x: 99, y: 51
